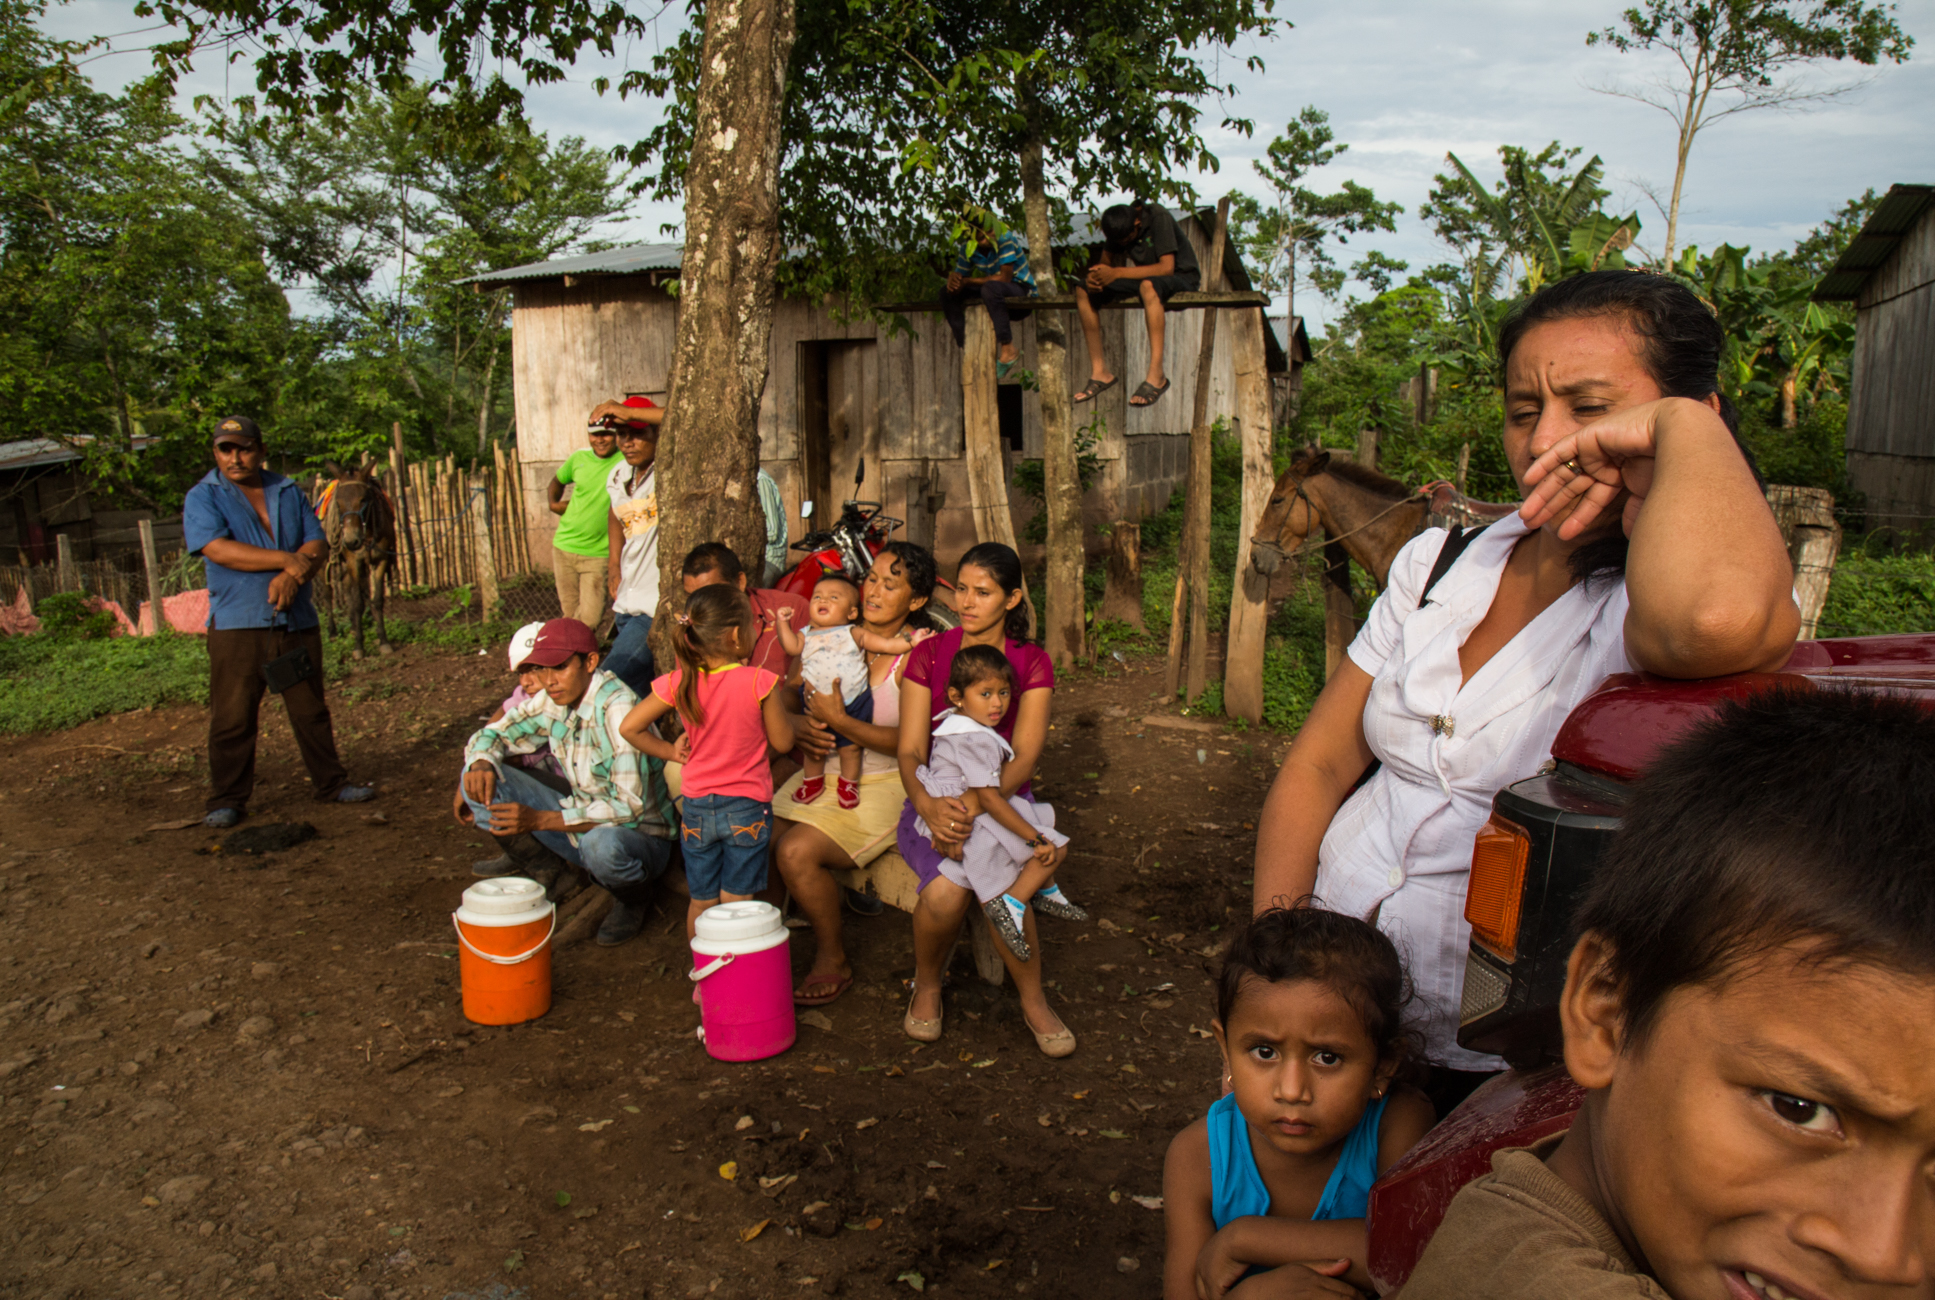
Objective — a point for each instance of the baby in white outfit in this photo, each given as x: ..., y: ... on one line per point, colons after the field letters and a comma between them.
x: 833, y: 660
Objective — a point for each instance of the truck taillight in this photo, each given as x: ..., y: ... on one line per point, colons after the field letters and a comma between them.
x: 1498, y: 858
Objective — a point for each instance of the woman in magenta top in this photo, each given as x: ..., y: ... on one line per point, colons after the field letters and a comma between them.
x: 988, y: 598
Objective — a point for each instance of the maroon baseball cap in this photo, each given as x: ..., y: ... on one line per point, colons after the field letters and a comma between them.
x: 558, y: 640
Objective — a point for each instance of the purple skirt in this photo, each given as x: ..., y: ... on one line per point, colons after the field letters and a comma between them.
x: 918, y: 849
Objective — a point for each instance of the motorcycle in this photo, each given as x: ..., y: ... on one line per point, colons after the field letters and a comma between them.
x: 849, y: 547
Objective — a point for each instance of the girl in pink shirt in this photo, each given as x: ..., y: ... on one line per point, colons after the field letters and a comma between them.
x: 731, y: 713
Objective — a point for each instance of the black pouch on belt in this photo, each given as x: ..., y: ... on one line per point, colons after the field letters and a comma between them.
x: 285, y: 671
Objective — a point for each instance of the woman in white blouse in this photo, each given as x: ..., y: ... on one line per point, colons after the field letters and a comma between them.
x: 1644, y: 543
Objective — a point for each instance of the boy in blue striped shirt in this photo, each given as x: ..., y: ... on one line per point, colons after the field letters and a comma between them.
x: 994, y: 268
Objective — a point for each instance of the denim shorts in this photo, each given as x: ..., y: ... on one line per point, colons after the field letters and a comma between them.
x: 724, y: 838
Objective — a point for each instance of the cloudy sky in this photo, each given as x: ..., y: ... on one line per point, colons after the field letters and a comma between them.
x: 1405, y: 82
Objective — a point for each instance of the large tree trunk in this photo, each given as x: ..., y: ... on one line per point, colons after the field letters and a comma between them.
x: 1065, y: 606
x: 708, y: 451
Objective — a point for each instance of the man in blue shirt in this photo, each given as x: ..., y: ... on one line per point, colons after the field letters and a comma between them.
x: 993, y: 268
x: 262, y: 546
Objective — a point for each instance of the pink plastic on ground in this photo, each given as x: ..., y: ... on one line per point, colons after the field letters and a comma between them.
x: 18, y: 618
x: 187, y: 612
x: 1408, y: 1203
x: 747, y: 1006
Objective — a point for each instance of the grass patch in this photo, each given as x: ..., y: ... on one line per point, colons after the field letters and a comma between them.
x: 62, y: 678
x: 1874, y: 595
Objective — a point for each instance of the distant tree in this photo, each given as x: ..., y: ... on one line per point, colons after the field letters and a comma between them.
x: 1537, y: 222
x: 135, y: 303
x: 1288, y: 242
x: 1735, y: 56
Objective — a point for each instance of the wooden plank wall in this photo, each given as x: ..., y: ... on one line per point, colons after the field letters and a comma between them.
x: 575, y: 347
x: 1892, y: 408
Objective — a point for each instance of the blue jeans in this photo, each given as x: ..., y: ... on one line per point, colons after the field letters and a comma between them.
x: 614, y: 855
x: 630, y: 660
x: 725, y: 841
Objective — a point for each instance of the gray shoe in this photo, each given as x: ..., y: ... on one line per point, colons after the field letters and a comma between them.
x: 222, y: 818
x: 630, y: 905
x: 863, y: 904
x: 356, y: 794
x: 522, y: 855
x: 1058, y: 906
x: 1006, y: 921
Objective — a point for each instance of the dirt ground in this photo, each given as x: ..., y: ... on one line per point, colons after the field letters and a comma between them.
x: 251, y: 1076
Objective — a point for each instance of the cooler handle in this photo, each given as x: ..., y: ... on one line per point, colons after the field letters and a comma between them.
x: 494, y: 959
x: 696, y: 974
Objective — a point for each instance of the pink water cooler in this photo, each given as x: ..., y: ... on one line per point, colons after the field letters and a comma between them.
x: 744, y: 974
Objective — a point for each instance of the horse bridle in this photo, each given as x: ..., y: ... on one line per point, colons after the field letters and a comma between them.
x: 1311, y: 506
x: 361, y: 513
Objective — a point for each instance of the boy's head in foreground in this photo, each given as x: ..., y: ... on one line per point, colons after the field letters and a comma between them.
x: 1308, y: 1012
x: 1752, y: 1005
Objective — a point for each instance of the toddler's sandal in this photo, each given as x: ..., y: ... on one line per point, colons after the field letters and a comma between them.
x: 810, y: 789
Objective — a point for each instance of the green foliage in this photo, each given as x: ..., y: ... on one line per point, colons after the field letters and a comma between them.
x: 1873, y: 595
x: 1030, y: 478
x: 48, y: 682
x: 1811, y: 454
x: 64, y: 616
x: 1298, y: 229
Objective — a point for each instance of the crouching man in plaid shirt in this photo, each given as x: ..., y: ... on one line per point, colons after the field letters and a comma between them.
x: 615, y: 819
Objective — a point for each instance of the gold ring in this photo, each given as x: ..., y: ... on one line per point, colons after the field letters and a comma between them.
x: 1573, y: 465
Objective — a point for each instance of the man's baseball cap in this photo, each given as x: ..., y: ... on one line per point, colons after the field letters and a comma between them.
x: 238, y: 426
x: 638, y: 402
x: 521, y: 642
x: 557, y: 641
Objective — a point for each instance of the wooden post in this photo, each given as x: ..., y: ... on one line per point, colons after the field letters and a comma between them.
x: 1813, y: 536
x: 1250, y: 591
x: 1340, y: 611
x: 986, y: 466
x: 1464, y: 464
x: 152, y: 563
x: 1194, y: 568
x: 1122, y: 596
x: 478, y: 506
x: 1367, y: 440
x: 70, y: 574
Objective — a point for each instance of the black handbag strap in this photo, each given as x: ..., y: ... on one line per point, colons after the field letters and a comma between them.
x: 1454, y: 546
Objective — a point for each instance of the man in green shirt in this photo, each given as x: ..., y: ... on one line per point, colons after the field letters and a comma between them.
x: 578, y: 548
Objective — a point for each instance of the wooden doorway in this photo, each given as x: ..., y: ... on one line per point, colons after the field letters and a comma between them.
x: 839, y: 424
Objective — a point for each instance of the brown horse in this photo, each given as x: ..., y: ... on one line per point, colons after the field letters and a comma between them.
x: 361, y: 528
x: 1370, y: 514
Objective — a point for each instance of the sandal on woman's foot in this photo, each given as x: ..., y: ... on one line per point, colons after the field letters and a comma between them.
x: 1056, y: 1045
x: 828, y: 989
x: 921, y: 1031
x: 810, y: 789
x: 1147, y: 393
x: 1005, y: 915
x: 1096, y: 387
x: 1053, y: 902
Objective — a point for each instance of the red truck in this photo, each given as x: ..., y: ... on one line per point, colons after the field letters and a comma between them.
x: 1530, y: 865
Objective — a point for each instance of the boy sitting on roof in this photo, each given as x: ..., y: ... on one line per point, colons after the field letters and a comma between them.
x: 1752, y: 1010
x: 1143, y: 256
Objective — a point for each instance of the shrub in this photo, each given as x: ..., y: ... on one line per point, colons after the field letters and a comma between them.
x: 1873, y: 595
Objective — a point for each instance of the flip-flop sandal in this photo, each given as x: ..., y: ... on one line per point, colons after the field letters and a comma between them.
x: 806, y: 999
x: 1147, y: 393
x: 1002, y: 369
x: 1096, y: 388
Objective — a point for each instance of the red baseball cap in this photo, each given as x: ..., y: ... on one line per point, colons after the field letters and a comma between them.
x: 558, y: 640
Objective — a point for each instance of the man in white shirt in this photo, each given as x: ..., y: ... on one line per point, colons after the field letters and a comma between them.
x: 633, y: 523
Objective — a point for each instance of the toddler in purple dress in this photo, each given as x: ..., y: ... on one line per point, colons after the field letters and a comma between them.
x: 1013, y: 849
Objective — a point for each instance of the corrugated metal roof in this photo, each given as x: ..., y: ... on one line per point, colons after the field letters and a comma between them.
x: 632, y: 259
x: 1897, y: 214
x: 1281, y: 329
x: 31, y: 452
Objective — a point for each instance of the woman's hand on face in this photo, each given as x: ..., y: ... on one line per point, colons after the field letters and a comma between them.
x: 1584, y: 474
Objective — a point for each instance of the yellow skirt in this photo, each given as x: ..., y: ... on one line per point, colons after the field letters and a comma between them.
x: 864, y: 833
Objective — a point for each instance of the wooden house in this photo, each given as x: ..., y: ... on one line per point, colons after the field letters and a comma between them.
x: 45, y: 495
x: 1888, y: 272
x: 842, y: 391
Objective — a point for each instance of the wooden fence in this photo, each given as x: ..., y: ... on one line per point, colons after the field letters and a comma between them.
x: 457, y: 525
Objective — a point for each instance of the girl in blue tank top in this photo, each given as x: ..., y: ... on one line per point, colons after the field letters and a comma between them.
x: 1279, y: 1173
